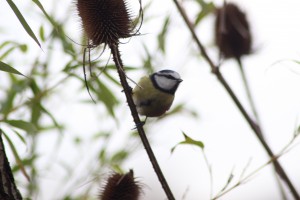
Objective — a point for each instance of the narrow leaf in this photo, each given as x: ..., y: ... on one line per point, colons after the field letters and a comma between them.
x: 162, y: 35
x: 16, y: 155
x: 42, y: 33
x: 119, y: 156
x: 23, y: 21
x: 20, y: 137
x: 56, y: 124
x: 189, y: 141
x: 38, y: 3
x: 6, y: 68
x: 105, y: 95
x: 26, y: 126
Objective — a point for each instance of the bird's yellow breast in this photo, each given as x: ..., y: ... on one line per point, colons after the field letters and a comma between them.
x: 150, y: 101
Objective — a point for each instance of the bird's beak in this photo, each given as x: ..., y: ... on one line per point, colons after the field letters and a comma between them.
x: 179, y: 80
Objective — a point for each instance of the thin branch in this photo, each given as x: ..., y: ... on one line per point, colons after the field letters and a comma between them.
x: 243, y: 179
x: 255, y: 127
x: 209, y: 168
x: 128, y: 93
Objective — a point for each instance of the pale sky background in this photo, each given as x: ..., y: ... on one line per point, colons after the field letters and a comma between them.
x: 229, y: 142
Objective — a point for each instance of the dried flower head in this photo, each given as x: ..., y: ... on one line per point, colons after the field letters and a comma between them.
x: 121, y: 187
x: 105, y: 21
x: 232, y: 32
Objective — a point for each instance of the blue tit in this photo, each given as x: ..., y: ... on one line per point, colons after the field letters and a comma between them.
x: 154, y: 94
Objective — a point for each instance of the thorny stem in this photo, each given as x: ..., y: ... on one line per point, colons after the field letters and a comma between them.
x: 128, y: 93
x: 256, y: 128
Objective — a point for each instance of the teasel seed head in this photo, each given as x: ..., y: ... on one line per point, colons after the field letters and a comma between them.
x: 105, y: 21
x: 232, y: 32
x: 121, y: 187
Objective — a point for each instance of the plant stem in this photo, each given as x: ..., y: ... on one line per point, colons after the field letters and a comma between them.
x: 128, y: 93
x: 248, y: 92
x: 255, y: 113
x: 255, y: 127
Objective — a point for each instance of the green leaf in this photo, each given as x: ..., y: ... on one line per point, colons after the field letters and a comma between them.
x: 189, y: 141
x: 23, y: 21
x: 105, y: 95
x: 206, y: 8
x: 5, y: 44
x: 16, y: 155
x: 20, y: 137
x: 296, y: 61
x: 117, y: 82
x: 38, y: 3
x: 119, y: 157
x: 22, y: 47
x: 162, y: 35
x: 26, y: 162
x: 147, y: 61
x: 102, y: 155
x: 35, y: 113
x: 18, y: 86
x: 26, y: 126
x: 77, y: 140
x: 7, y: 52
x: 42, y: 33
x: 113, y: 67
x: 56, y: 124
x: 6, y: 68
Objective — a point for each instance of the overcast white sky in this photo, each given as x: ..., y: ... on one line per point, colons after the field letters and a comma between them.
x: 229, y: 143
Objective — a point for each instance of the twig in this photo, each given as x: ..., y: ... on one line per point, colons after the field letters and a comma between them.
x: 210, y: 173
x: 128, y: 93
x: 256, y: 129
x: 243, y: 179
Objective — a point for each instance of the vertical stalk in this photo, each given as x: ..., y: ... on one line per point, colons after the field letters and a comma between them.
x: 255, y: 127
x: 128, y: 93
x: 255, y: 113
x: 248, y: 92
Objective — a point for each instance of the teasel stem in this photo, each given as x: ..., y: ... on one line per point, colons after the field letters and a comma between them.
x: 255, y: 113
x: 128, y: 93
x: 253, y: 125
x: 248, y: 92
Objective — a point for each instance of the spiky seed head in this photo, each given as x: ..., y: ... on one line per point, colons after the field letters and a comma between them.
x: 121, y: 187
x: 105, y: 21
x: 232, y: 32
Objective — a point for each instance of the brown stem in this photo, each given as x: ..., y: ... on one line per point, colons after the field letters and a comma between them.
x: 128, y: 93
x: 256, y: 129
x: 8, y: 188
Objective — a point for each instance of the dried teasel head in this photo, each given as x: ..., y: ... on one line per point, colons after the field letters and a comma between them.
x: 232, y: 32
x: 121, y: 187
x: 105, y: 21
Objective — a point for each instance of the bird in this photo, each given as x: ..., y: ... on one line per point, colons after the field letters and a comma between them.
x: 154, y: 94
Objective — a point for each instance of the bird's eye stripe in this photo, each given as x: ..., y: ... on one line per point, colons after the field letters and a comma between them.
x: 168, y: 76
